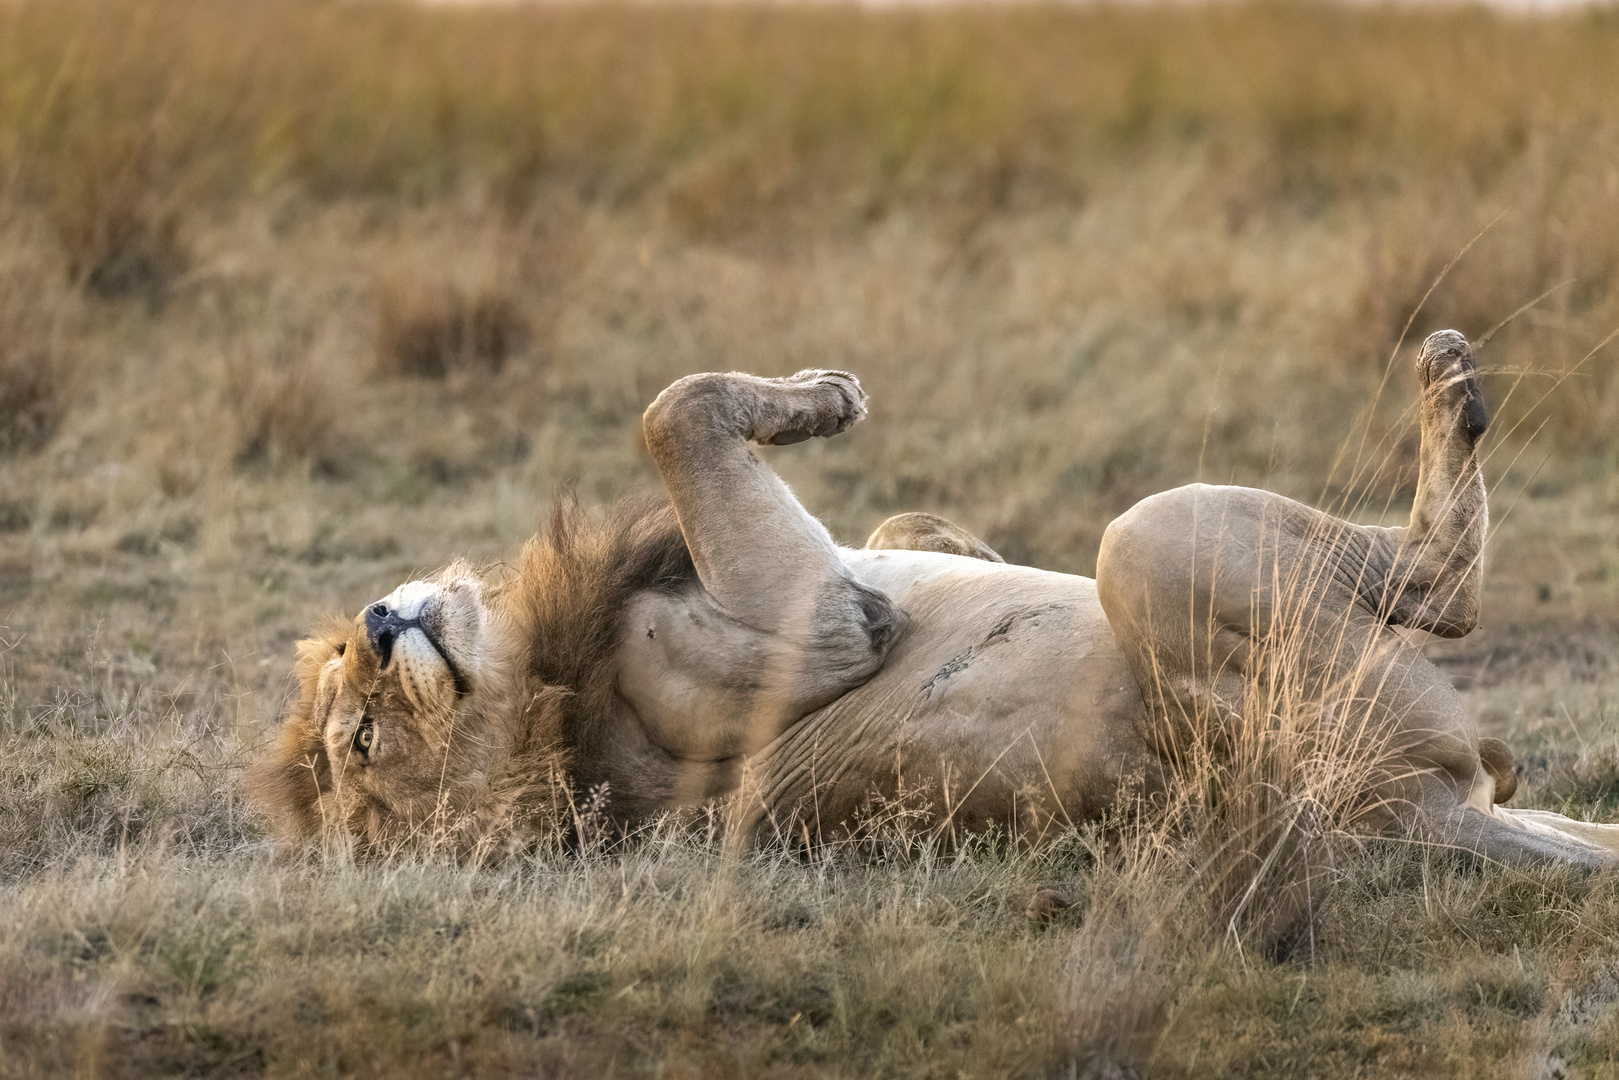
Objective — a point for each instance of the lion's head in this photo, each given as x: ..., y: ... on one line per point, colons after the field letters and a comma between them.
x: 398, y: 719
x: 449, y: 709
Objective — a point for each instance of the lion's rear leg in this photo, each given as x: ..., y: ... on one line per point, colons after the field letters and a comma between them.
x: 1185, y: 614
x: 1437, y: 571
x: 1238, y: 638
x: 929, y: 532
x: 1201, y: 582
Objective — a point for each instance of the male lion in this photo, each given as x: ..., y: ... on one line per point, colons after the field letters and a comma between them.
x: 651, y: 654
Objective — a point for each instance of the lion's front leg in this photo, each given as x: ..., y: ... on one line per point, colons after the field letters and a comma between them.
x: 769, y: 569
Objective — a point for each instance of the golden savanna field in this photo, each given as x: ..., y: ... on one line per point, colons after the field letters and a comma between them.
x: 301, y: 298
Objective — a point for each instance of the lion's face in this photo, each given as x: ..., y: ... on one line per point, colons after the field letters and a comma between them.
x: 390, y: 701
x: 397, y: 680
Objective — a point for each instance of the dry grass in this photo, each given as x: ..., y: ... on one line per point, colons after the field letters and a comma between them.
x: 430, y: 330
x: 1076, y: 254
x: 146, y: 929
x: 35, y: 375
x: 288, y: 403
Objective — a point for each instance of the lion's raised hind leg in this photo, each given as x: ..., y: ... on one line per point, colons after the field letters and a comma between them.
x: 1437, y: 572
x: 1216, y: 592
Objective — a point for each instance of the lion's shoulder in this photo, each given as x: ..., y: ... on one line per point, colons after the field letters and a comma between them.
x: 567, y: 597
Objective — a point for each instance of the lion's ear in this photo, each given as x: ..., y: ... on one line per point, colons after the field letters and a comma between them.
x: 313, y: 653
x: 293, y: 784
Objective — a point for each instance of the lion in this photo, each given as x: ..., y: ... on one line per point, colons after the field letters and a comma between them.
x: 718, y: 644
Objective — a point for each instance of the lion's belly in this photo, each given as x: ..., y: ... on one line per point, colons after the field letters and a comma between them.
x: 1007, y: 699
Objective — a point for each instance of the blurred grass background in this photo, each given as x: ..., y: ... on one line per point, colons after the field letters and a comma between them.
x: 300, y: 298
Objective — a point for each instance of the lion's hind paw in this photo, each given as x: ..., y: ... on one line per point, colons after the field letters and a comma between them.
x: 1445, y: 355
x: 1448, y: 370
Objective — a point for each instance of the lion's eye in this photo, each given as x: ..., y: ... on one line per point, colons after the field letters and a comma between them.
x: 365, y: 736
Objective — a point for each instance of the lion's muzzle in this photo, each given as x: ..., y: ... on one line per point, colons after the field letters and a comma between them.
x: 383, y: 625
x: 407, y: 609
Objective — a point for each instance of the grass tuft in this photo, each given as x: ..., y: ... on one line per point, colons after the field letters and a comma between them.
x: 288, y: 403
x: 34, y: 376
x: 433, y: 330
x: 118, y: 253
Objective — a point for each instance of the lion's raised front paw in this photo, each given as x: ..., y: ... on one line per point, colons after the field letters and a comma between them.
x: 815, y: 403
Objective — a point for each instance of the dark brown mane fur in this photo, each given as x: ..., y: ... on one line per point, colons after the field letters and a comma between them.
x: 567, y: 602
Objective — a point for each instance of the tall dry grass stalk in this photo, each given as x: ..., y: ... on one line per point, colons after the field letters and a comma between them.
x: 1269, y: 793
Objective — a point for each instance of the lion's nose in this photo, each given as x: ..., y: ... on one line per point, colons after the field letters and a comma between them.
x: 383, y: 625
